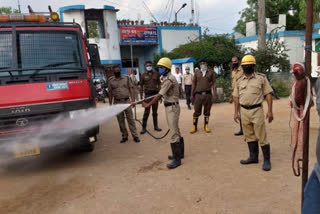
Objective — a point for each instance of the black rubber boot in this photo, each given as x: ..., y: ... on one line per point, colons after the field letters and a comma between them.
x: 144, y: 126
x: 176, y: 151
x: 170, y: 157
x: 155, y: 124
x: 266, y: 157
x: 253, y: 153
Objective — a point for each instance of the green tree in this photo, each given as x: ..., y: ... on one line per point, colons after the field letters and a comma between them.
x: 93, y: 28
x: 274, y: 55
x: 216, y: 49
x: 294, y: 10
x: 8, y: 10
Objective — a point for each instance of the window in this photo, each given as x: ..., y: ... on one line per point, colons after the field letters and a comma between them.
x: 5, y: 50
x: 37, y: 49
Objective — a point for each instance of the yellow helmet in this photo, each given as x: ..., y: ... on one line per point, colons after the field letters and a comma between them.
x: 165, y: 62
x: 248, y: 60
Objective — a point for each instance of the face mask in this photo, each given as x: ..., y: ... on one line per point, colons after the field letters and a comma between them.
x: 149, y: 68
x: 235, y: 65
x: 162, y: 71
x: 117, y: 74
x: 248, y: 69
x: 203, y: 67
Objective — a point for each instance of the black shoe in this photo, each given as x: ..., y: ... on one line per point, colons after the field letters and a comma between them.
x: 266, y: 157
x: 170, y: 157
x: 136, y: 139
x: 123, y: 140
x: 157, y: 129
x: 176, y: 151
x: 239, y: 133
x: 253, y: 153
x: 189, y: 107
x: 143, y: 131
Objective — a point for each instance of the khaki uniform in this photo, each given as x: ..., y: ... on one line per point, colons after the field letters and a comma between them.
x: 150, y: 84
x: 203, y: 92
x: 170, y: 92
x: 235, y: 75
x: 251, y: 92
x: 187, y: 85
x: 119, y: 88
x: 135, y: 86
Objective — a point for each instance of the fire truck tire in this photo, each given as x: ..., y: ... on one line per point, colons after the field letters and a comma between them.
x: 88, y: 147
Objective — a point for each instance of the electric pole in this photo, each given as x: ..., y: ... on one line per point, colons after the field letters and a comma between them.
x: 308, y: 51
x: 261, y: 24
x: 192, y: 12
x: 19, y: 7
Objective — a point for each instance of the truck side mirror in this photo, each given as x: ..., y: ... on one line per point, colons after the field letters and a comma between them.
x: 94, y: 55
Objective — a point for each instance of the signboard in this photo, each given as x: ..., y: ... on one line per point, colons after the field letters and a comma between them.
x: 138, y: 34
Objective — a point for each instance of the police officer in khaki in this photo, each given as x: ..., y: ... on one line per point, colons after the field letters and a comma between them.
x: 150, y: 85
x: 236, y: 73
x: 120, y: 91
x: 203, y: 94
x: 248, y: 95
x: 187, y: 79
x: 170, y: 92
x: 135, y: 84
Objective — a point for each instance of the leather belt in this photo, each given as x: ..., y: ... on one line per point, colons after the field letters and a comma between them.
x: 170, y: 104
x: 203, y: 92
x: 251, y: 107
x: 121, y: 100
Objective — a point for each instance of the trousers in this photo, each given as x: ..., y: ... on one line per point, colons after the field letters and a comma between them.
x: 253, y: 125
x: 187, y: 89
x: 122, y: 125
x: 202, y: 100
x: 172, y: 115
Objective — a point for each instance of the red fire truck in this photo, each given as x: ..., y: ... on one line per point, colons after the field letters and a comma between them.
x: 45, y: 71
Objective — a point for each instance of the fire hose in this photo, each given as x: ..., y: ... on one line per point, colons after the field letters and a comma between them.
x: 301, y: 101
x: 135, y: 117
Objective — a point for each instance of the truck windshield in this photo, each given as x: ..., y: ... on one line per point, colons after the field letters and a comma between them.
x: 40, y: 52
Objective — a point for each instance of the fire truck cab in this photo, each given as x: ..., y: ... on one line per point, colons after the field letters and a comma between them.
x: 45, y: 71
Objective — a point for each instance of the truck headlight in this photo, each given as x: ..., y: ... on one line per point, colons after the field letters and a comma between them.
x: 74, y: 114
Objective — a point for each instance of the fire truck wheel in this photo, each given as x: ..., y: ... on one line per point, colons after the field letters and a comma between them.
x: 88, y: 147
x: 87, y: 144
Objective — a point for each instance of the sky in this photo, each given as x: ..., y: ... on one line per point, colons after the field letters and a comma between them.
x: 219, y: 16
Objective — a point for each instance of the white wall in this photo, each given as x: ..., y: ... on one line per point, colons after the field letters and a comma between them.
x: 251, y: 29
x: 293, y: 43
x: 171, y: 39
x: 296, y: 49
x: 314, y: 61
x: 251, y: 44
x: 77, y: 16
x: 280, y: 26
x: 111, y: 47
